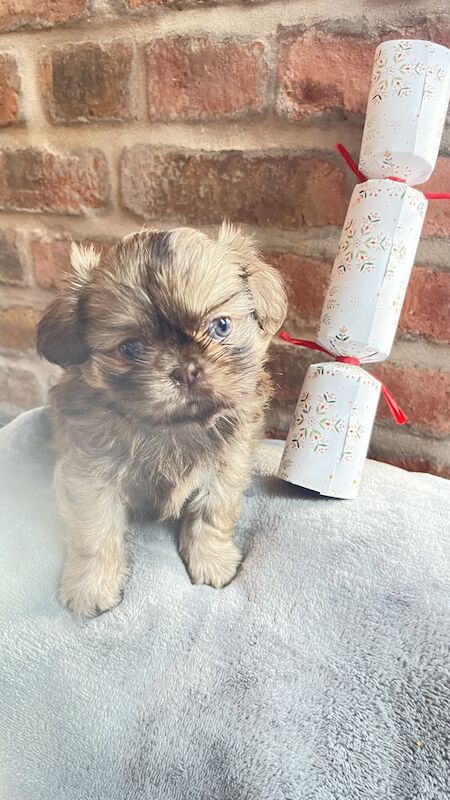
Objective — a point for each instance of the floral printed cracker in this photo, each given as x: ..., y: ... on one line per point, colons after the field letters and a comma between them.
x: 330, y: 433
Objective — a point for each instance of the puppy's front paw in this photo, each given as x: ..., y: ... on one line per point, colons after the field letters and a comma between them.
x: 90, y: 586
x: 212, y: 560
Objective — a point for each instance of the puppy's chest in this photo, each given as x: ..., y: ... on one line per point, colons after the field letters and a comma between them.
x: 160, y: 464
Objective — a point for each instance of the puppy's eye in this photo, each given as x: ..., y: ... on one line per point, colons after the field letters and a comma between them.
x: 220, y: 328
x: 132, y: 348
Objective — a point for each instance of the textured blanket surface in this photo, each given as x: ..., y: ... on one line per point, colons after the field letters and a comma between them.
x: 320, y: 673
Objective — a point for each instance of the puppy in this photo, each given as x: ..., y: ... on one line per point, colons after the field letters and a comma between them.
x: 163, y: 342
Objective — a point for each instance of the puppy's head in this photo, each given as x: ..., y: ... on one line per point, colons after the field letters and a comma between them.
x: 169, y: 325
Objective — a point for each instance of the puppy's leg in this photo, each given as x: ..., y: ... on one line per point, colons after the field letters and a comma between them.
x: 206, y: 539
x: 95, y: 520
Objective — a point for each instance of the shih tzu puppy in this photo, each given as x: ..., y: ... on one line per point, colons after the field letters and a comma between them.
x: 163, y: 341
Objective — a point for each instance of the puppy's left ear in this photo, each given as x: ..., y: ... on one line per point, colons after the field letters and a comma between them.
x: 265, y: 282
x: 60, y: 336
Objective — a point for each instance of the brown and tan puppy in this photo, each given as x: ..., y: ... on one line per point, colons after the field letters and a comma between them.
x: 164, y: 342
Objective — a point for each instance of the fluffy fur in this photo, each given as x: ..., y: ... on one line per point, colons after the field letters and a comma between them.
x: 131, y: 436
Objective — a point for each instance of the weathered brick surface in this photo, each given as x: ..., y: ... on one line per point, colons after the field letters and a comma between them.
x: 280, y: 190
x: 437, y: 220
x: 423, y: 394
x: 185, y: 4
x: 319, y: 72
x: 88, y: 81
x: 50, y: 259
x: 19, y: 390
x: 9, y: 90
x: 12, y: 258
x: 16, y: 14
x: 427, y: 304
x: 37, y: 180
x: 413, y: 464
x: 306, y: 282
x: 201, y: 78
x: 18, y: 326
x: 148, y: 3
x: 50, y: 254
x: 178, y: 4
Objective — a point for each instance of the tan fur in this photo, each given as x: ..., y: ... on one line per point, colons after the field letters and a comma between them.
x: 129, y: 437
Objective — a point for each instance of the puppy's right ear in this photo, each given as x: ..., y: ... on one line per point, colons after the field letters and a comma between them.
x: 60, y: 337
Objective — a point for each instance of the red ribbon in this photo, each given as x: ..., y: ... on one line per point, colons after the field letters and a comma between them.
x: 396, y: 411
x: 360, y: 175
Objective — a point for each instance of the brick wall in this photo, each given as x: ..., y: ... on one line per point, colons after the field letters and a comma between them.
x: 116, y: 112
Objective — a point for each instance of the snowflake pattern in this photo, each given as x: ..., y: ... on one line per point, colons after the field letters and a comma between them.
x: 315, y: 422
x: 358, y: 248
x: 326, y: 445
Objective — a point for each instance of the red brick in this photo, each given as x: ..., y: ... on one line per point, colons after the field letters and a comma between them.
x: 18, y: 327
x: 275, y: 433
x: 9, y: 90
x: 435, y: 28
x: 138, y: 3
x: 50, y: 259
x: 40, y: 181
x: 306, y: 281
x: 427, y: 303
x: 202, y: 78
x: 285, y: 190
x: 443, y: 471
x: 424, y: 396
x: 151, y: 4
x: 180, y: 4
x: 88, y: 82
x: 319, y: 72
x: 412, y: 464
x: 15, y: 14
x: 437, y: 220
x: 12, y: 259
x: 19, y: 390
x: 50, y: 254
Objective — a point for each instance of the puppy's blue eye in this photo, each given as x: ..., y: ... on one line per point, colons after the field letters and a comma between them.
x: 132, y: 349
x: 220, y: 328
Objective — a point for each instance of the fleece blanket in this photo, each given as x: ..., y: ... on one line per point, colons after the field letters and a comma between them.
x: 320, y: 673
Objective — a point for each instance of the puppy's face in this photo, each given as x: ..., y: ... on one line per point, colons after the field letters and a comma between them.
x: 171, y: 325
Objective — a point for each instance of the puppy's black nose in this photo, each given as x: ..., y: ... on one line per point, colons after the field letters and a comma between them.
x: 187, y: 374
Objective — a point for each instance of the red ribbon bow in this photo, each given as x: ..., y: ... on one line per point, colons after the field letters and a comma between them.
x: 360, y: 175
x: 396, y: 411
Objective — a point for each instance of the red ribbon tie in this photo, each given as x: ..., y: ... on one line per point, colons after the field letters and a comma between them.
x: 398, y: 414
x: 360, y: 175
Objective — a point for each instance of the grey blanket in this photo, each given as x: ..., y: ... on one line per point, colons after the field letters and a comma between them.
x: 320, y: 673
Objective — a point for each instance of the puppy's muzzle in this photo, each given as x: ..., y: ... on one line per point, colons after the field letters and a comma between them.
x: 187, y: 375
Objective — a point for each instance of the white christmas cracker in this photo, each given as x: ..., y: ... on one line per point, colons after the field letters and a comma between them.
x: 330, y: 433
x: 406, y: 111
x: 371, y: 270
x: 328, y: 440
